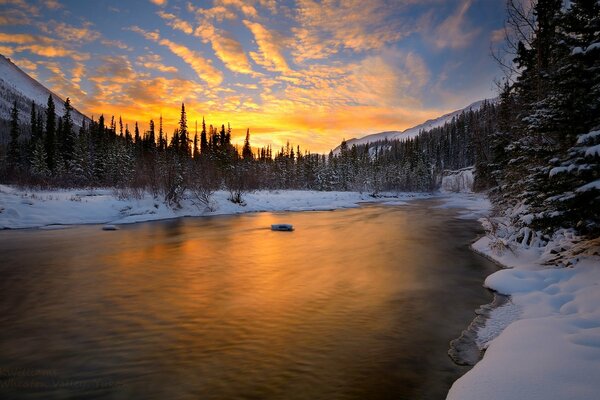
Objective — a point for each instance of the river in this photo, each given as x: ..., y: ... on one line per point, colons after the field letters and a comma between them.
x: 354, y: 304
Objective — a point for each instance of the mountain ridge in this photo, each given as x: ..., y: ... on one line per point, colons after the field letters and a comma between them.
x: 410, y: 133
x: 17, y: 84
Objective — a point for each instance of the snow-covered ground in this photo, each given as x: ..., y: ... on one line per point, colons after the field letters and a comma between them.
x: 48, y: 209
x: 545, y: 342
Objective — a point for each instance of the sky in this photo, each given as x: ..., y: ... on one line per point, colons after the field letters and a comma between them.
x: 305, y: 71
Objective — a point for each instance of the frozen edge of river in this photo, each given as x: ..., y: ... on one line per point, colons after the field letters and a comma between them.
x: 544, y: 343
x: 53, y: 209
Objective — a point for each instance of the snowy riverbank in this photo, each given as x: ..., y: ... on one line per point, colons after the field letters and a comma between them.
x: 545, y: 342
x: 42, y: 208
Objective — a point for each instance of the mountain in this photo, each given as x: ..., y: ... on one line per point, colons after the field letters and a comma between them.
x: 16, y: 84
x: 411, y: 132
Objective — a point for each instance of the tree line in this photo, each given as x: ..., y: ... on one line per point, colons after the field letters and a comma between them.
x: 536, y: 150
x: 543, y: 170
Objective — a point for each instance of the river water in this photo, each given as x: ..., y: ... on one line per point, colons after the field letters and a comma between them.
x: 354, y: 304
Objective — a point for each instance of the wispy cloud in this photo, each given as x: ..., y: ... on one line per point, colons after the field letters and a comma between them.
x: 456, y: 31
x: 226, y: 48
x: 269, y: 54
x: 154, y: 61
x: 200, y: 64
x: 176, y: 23
x: 326, y: 27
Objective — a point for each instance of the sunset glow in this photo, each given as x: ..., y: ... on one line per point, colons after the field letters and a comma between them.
x: 305, y: 71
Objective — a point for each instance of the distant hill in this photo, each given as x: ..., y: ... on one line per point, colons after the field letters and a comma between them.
x: 411, y: 132
x: 16, y: 84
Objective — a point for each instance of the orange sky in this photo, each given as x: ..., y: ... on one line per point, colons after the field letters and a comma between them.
x: 311, y: 72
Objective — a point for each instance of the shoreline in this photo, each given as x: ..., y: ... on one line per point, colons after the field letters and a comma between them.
x: 58, y: 209
x: 544, y: 341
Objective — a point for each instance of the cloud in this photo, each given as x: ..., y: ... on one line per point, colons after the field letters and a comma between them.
x: 154, y: 61
x: 161, y: 3
x: 52, y: 4
x: 14, y: 17
x: 24, y: 5
x: 454, y: 31
x: 176, y: 23
x: 41, y: 46
x: 6, y: 51
x: 269, y: 54
x: 226, y: 48
x: 59, y: 83
x: 52, y: 51
x: 200, y: 64
x: 71, y: 33
x: 116, y: 43
x: 326, y: 27
x: 23, y: 63
x: 150, y: 35
x: 225, y: 9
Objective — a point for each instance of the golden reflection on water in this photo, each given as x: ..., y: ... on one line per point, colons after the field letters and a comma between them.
x: 219, y: 308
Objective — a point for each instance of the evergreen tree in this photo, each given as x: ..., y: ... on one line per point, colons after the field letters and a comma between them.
x: 183, y: 139
x: 50, y: 142
x: 203, y: 139
x: 68, y: 133
x: 14, y: 145
x: 247, y: 150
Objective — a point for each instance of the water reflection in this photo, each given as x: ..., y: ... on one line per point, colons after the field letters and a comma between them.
x: 354, y: 304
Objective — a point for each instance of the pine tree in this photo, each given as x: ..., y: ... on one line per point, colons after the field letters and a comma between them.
x: 247, y: 150
x: 183, y: 140
x: 203, y: 140
x: 14, y: 145
x: 68, y: 133
x: 50, y: 142
x: 196, y: 152
x: 39, y: 166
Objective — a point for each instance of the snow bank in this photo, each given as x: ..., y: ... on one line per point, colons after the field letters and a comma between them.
x: 31, y: 209
x: 460, y: 181
x: 545, y: 343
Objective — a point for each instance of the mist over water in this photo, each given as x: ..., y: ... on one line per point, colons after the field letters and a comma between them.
x: 354, y: 304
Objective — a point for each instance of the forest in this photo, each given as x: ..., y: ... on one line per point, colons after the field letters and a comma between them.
x: 536, y: 149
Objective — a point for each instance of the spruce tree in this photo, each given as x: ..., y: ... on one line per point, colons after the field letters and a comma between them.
x: 203, y: 139
x: 14, y: 145
x: 50, y: 142
x: 247, y: 150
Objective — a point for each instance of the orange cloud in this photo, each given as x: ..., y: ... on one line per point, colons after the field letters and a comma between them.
x: 269, y: 53
x: 176, y: 23
x: 154, y: 61
x: 71, y: 33
x: 226, y: 48
x: 328, y: 26
x: 200, y: 64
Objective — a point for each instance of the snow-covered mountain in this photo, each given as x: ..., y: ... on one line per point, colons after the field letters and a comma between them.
x: 411, y: 132
x: 16, y: 84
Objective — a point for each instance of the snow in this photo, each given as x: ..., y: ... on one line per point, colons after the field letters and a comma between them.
x: 14, y: 80
x: 56, y: 208
x: 585, y: 137
x: 595, y: 185
x: 414, y: 131
x: 593, y: 150
x: 545, y: 342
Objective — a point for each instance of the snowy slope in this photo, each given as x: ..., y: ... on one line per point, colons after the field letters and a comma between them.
x: 411, y: 132
x: 16, y: 84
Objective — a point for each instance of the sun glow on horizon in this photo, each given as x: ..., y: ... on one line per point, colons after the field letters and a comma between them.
x: 308, y: 72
